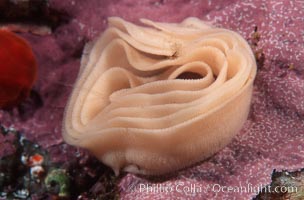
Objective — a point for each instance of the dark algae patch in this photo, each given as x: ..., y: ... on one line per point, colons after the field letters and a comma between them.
x: 27, y: 172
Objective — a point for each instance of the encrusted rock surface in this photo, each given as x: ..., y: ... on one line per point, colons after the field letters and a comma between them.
x: 272, y: 137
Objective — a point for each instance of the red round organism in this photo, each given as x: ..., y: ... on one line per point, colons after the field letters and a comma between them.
x: 18, y: 69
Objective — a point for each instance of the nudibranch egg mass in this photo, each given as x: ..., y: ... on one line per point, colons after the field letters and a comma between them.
x: 159, y: 97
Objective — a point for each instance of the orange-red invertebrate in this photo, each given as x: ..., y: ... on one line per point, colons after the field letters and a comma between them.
x: 18, y: 69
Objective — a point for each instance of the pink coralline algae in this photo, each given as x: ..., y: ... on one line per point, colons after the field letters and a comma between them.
x: 272, y: 138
